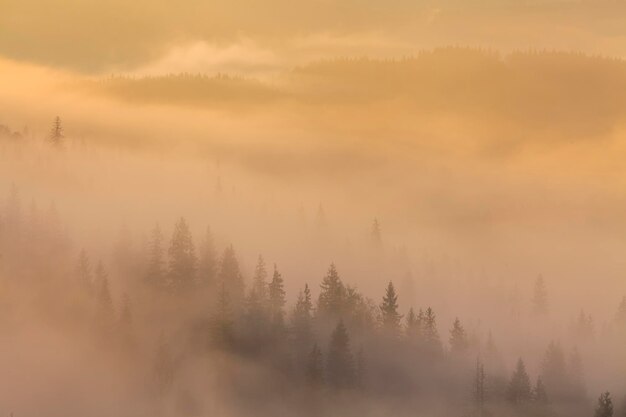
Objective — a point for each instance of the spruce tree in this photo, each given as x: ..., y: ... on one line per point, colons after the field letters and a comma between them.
x: 83, y: 271
x: 277, y: 300
x: 576, y: 376
x: 56, y: 133
x: 340, y: 363
x: 314, y: 368
x: 182, y: 258
x: 605, y: 406
x: 376, y: 236
x: 540, y: 395
x: 230, y: 279
x: 257, y: 315
x: 360, y: 370
x: 519, y: 391
x: 389, y: 310
x: 479, y: 387
x: 458, y: 339
x: 301, y: 321
x: 207, y: 265
x: 432, y: 343
x: 332, y: 295
x: 413, y: 326
x: 155, y: 275
x: 258, y: 292
x: 105, y: 313
x: 222, y: 321
x: 126, y: 320
x: 554, y: 373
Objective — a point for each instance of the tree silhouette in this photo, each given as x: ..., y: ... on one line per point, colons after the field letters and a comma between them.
x: 432, y: 343
x: 83, y: 271
x: 340, y: 363
x: 376, y: 236
x: 390, y: 317
x: 479, y: 387
x: 277, y: 300
x: 605, y: 406
x: 207, y: 265
x: 182, y: 258
x: 229, y: 277
x: 519, y: 391
x: 314, y: 369
x: 332, y: 295
x: 56, y: 133
x: 413, y: 326
x: 540, y: 395
x: 458, y: 338
x: 301, y: 321
x: 155, y: 274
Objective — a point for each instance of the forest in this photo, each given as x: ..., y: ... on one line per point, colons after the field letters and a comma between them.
x: 174, y: 318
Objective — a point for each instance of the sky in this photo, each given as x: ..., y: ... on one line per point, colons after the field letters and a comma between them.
x: 247, y: 36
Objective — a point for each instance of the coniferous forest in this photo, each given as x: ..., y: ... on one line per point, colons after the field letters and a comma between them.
x: 316, y: 208
x: 177, y: 319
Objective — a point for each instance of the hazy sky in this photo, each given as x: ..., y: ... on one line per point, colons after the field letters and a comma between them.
x: 245, y: 35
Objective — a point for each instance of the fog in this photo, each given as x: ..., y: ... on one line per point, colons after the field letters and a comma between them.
x: 289, y: 219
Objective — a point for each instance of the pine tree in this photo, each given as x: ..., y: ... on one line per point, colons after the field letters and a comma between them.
x: 332, y: 295
x: 432, y: 342
x: 519, y: 391
x: 301, y: 321
x: 376, y: 236
x: 222, y: 321
x: 554, y: 373
x: 389, y: 310
x: 100, y: 275
x: 83, y: 271
x: 257, y: 301
x: 207, y: 265
x: 105, y: 314
x: 479, y: 387
x: 540, y: 297
x: 458, y: 339
x: 56, y: 133
x: 576, y: 376
x: 413, y: 326
x: 540, y: 394
x: 126, y: 321
x: 340, y: 363
x: 230, y: 279
x: 605, y: 406
x: 277, y: 300
x: 182, y: 258
x: 155, y: 275
x: 257, y: 314
x: 361, y: 370
x: 314, y: 368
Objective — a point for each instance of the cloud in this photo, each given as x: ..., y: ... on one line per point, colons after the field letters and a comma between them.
x: 243, y: 57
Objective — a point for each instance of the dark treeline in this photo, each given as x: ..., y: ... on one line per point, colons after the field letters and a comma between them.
x: 537, y: 89
x: 161, y: 305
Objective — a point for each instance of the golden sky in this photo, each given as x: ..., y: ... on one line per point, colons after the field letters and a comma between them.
x: 244, y: 36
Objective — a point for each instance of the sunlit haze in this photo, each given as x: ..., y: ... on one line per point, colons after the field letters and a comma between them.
x: 313, y: 208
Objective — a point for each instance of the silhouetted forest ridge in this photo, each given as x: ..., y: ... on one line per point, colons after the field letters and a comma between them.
x: 536, y: 88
